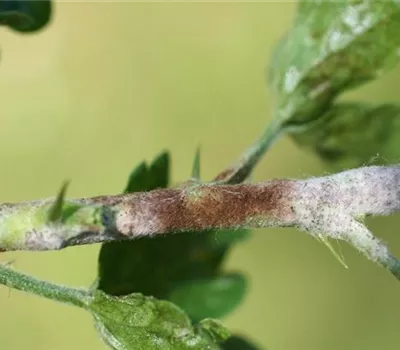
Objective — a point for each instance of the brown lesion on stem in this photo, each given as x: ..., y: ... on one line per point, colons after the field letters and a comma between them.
x: 201, y: 207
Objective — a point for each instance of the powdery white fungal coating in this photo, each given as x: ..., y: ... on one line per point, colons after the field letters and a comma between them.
x: 143, y: 222
x: 371, y: 190
x: 47, y: 238
x: 332, y: 205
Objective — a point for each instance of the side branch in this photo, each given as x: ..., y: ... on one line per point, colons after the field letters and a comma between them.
x: 325, y: 207
x: 239, y: 171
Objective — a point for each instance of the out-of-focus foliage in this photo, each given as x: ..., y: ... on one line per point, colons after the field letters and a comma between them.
x: 349, y: 135
x: 25, y: 16
x: 332, y: 46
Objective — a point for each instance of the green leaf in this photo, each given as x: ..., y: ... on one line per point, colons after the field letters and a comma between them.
x: 238, y: 343
x: 144, y: 323
x: 153, y: 266
x: 25, y: 16
x: 331, y: 47
x: 226, y: 238
x: 156, y: 266
x: 350, y: 135
x: 138, y: 179
x: 214, y: 297
x: 144, y: 178
x: 215, y: 329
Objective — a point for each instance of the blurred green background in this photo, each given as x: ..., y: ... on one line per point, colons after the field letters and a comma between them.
x: 108, y: 84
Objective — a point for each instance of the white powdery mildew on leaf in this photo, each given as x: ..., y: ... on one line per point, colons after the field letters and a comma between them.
x: 332, y: 206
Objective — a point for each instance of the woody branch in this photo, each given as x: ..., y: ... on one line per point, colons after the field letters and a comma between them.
x: 325, y: 207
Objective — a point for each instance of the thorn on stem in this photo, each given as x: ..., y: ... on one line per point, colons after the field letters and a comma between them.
x: 55, y: 211
x: 196, y: 165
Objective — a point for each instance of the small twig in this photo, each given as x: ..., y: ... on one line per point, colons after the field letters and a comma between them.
x: 17, y: 280
x: 239, y: 171
x: 331, y: 207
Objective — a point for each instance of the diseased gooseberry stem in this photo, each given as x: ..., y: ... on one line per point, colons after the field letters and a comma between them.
x: 329, y: 207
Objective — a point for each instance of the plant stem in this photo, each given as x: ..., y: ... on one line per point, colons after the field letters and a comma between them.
x: 393, y: 265
x: 325, y: 207
x: 239, y: 171
x: 17, y: 280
